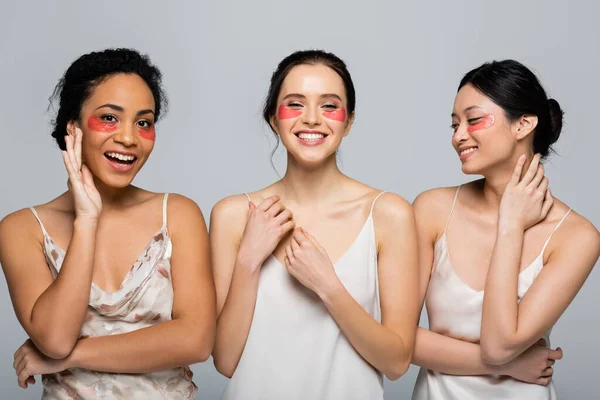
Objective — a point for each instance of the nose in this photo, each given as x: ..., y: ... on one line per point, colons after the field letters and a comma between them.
x: 126, y: 136
x: 311, y: 116
x: 461, y: 135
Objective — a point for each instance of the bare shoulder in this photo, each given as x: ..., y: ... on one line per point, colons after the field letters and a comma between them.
x: 230, y: 212
x: 580, y: 232
x: 392, y: 208
x: 436, y: 201
x: 17, y: 222
x: 183, y: 214
x: 17, y: 230
x: 179, y: 204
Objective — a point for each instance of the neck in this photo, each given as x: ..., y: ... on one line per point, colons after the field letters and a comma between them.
x: 312, y: 186
x: 496, y: 181
x: 114, y: 197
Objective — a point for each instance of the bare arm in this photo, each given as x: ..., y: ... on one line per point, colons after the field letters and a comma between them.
x: 450, y: 356
x: 52, y: 310
x: 187, y: 338
x: 237, y: 268
x: 40, y: 302
x: 433, y: 350
x: 388, y: 345
x: 509, y: 326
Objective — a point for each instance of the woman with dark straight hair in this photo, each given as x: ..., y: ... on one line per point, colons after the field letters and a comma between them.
x: 316, y: 274
x: 501, y: 258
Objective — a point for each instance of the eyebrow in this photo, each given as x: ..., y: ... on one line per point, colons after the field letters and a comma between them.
x: 466, y: 110
x: 325, y: 95
x: 112, y: 106
x: 121, y: 109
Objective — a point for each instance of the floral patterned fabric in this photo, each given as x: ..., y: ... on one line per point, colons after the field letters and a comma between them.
x: 145, y: 298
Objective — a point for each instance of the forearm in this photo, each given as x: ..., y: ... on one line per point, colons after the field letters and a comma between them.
x: 58, y: 314
x: 166, y: 345
x: 233, y: 324
x: 380, y: 346
x: 500, y: 305
x: 450, y: 356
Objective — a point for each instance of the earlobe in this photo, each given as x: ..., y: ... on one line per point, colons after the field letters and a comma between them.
x: 349, y: 123
x: 273, y: 123
x: 525, y: 125
x: 71, y: 126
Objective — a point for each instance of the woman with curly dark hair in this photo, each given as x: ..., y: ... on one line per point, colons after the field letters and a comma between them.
x: 113, y: 288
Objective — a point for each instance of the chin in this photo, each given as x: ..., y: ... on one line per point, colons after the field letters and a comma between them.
x: 471, y: 169
x: 117, y: 182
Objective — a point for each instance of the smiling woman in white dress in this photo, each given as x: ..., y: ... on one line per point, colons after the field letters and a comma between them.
x: 316, y: 274
x: 501, y: 258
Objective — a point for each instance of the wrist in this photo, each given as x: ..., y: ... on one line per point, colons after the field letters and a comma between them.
x: 73, y: 360
x: 85, y: 223
x: 329, y: 291
x: 509, y: 226
x: 247, y: 263
x: 498, y: 369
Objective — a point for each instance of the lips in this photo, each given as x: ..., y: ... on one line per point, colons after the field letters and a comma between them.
x: 311, y: 137
x: 466, y: 152
x: 121, y: 162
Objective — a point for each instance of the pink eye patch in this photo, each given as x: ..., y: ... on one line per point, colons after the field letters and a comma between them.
x: 148, y: 133
x: 98, y: 125
x: 284, y: 112
x: 485, y: 122
x: 337, y: 115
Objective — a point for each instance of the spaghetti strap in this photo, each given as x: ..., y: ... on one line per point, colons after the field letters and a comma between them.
x: 248, y: 196
x: 555, y: 229
x: 373, y: 204
x: 35, y: 214
x: 452, y: 209
x: 165, y: 209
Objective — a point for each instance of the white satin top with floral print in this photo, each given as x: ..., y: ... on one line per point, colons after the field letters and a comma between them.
x: 145, y: 298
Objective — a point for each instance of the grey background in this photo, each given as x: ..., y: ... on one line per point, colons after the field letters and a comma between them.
x: 406, y: 59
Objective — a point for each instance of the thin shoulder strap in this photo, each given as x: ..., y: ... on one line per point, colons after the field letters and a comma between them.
x: 164, y: 207
x: 35, y: 214
x: 452, y: 209
x: 373, y: 205
x: 248, y: 196
x: 555, y: 228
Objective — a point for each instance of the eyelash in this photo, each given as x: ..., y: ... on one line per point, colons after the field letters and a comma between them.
x: 470, y: 121
x: 105, y: 118
x: 146, y: 122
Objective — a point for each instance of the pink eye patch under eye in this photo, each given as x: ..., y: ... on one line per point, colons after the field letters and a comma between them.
x: 148, y: 133
x: 98, y: 125
x: 337, y: 115
x: 284, y: 112
x: 485, y: 122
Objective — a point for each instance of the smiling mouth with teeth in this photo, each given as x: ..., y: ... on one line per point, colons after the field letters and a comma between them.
x: 467, y: 151
x: 120, y: 158
x: 310, y: 136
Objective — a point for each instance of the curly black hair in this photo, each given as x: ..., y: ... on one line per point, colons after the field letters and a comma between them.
x: 90, y: 70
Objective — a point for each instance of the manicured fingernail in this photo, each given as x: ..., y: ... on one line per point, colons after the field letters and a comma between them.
x: 522, y: 158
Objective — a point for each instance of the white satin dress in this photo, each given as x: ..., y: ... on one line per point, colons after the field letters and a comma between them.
x: 455, y: 309
x: 295, y: 350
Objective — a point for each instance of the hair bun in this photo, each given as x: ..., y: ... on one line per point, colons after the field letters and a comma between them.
x: 556, y: 119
